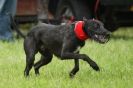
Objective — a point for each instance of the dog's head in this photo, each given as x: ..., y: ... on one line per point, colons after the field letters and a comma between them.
x: 96, y: 31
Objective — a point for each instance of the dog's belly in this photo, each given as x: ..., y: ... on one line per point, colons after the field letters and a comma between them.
x: 54, y: 49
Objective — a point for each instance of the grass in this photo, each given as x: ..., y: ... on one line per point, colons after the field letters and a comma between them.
x: 114, y: 58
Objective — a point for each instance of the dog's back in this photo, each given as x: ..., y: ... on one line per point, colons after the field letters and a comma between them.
x: 47, y: 29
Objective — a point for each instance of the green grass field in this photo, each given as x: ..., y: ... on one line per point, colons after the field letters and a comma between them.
x: 114, y: 58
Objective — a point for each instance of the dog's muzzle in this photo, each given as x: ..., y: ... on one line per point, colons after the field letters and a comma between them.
x: 102, y: 38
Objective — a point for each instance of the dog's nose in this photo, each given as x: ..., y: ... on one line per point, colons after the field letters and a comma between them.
x: 108, y: 35
x: 107, y: 32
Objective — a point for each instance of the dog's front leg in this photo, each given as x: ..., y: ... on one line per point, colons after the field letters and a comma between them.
x: 75, y: 69
x: 66, y: 55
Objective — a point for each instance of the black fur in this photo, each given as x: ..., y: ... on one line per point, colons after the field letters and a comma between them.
x: 61, y: 41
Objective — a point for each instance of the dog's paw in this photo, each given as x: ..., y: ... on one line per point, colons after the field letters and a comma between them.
x: 95, y: 66
x: 26, y: 74
x: 71, y: 75
x: 37, y: 72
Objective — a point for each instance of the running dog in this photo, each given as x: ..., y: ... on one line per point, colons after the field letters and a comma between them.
x: 63, y: 41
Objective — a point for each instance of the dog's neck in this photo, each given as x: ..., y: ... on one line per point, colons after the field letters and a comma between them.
x: 79, y: 31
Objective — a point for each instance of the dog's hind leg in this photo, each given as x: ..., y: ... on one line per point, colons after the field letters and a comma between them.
x: 46, y: 58
x: 30, y: 51
x: 75, y: 69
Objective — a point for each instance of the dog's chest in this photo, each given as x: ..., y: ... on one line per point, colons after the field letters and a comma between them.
x: 77, y: 49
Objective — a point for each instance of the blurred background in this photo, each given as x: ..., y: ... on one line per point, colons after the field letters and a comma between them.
x: 114, y: 13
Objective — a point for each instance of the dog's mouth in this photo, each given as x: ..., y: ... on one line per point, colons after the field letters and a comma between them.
x: 101, y: 38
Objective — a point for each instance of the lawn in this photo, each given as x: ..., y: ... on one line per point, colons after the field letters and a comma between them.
x: 115, y: 60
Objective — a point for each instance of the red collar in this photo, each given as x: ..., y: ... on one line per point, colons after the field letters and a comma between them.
x: 79, y: 31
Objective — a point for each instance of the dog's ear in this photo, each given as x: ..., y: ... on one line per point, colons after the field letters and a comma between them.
x: 84, y: 19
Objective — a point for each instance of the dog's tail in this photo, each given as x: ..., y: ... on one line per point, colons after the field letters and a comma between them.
x: 15, y: 27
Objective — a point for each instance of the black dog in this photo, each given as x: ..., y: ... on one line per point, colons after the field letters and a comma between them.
x: 62, y: 41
